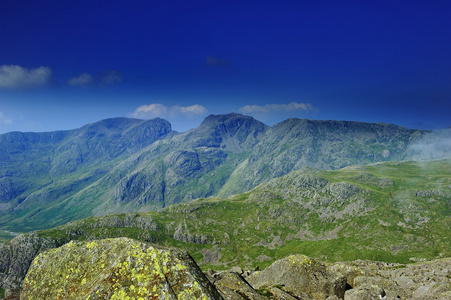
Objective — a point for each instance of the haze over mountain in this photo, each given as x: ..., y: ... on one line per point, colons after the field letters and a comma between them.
x: 120, y: 165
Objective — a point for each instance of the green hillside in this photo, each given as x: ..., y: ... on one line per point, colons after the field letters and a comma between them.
x: 394, y: 212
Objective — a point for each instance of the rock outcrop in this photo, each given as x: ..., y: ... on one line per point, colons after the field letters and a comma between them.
x: 16, y: 257
x: 122, y: 267
x: 300, y: 276
x: 119, y: 268
x: 379, y: 280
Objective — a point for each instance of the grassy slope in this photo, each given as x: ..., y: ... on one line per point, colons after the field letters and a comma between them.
x: 395, y: 212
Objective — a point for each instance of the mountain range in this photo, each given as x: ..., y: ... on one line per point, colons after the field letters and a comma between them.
x: 129, y: 165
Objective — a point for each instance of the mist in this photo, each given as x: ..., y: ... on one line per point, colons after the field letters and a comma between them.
x: 433, y: 145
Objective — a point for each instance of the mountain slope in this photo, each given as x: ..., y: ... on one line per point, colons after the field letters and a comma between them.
x: 125, y: 165
x: 38, y: 170
x: 295, y: 143
x: 393, y: 212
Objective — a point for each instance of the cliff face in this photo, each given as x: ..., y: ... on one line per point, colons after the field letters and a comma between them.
x: 127, y: 165
x: 296, y: 143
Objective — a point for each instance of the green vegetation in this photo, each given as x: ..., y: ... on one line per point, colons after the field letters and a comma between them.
x: 127, y: 165
x: 393, y: 212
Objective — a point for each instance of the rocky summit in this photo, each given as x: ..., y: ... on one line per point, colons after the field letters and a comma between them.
x: 123, y: 268
x: 129, y: 165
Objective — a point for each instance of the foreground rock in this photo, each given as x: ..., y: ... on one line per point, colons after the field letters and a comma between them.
x: 379, y: 280
x: 115, y: 269
x: 16, y: 257
x: 301, y: 276
x: 122, y: 267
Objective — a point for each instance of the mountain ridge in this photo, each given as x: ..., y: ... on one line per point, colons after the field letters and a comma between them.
x: 121, y: 164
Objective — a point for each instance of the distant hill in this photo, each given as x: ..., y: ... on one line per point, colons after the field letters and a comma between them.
x: 125, y: 165
x: 392, y: 212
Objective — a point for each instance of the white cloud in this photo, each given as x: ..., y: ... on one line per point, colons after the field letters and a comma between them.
x: 195, y: 109
x: 105, y: 78
x: 272, y: 108
x: 151, y: 110
x: 16, y: 77
x: 182, y: 118
x: 4, y: 119
x: 82, y: 80
x: 160, y: 110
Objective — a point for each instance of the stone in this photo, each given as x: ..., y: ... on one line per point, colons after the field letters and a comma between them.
x: 299, y: 275
x: 116, y: 269
x: 365, y: 292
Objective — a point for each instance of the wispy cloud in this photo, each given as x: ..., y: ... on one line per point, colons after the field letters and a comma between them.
x: 271, y: 108
x: 17, y: 77
x: 4, y: 119
x: 105, y: 78
x: 163, y: 111
x: 83, y: 80
x: 181, y: 117
x: 433, y: 145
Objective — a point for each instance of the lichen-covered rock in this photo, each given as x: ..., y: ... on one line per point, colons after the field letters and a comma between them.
x: 299, y: 274
x: 119, y: 268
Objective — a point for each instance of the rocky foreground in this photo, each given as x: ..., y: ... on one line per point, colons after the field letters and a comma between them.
x: 123, y: 268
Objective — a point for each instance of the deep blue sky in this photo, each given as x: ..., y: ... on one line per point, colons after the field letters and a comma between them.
x: 67, y: 63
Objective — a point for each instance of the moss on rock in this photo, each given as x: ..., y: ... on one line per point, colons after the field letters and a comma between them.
x: 119, y: 268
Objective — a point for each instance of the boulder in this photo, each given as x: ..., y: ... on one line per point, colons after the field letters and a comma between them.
x: 232, y: 285
x: 119, y: 268
x: 366, y: 292
x: 300, y: 275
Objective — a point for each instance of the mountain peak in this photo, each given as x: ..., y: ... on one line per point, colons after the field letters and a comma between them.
x: 233, y: 131
x: 122, y: 124
x: 220, y: 119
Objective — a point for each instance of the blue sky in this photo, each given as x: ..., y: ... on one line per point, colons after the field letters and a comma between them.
x: 67, y: 63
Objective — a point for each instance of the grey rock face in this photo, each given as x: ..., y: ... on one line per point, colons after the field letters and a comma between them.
x: 16, y: 257
x: 233, y: 132
x: 294, y: 143
x: 378, y: 280
x: 232, y: 285
x: 301, y: 275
